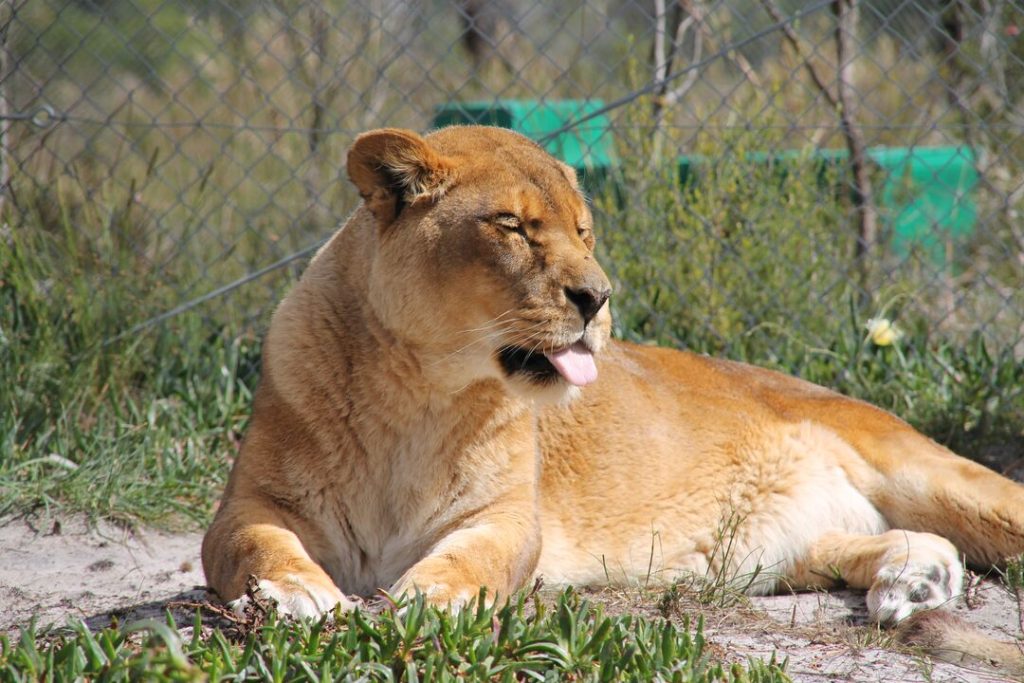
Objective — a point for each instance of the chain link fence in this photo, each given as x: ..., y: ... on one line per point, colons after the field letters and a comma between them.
x: 764, y: 173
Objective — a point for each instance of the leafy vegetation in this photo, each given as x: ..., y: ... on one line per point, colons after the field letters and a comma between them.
x: 569, y: 640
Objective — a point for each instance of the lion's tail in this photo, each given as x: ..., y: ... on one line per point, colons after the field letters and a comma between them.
x: 950, y: 638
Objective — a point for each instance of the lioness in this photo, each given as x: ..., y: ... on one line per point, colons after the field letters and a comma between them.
x: 441, y: 409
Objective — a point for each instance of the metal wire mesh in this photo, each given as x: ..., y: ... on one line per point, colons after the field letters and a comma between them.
x: 755, y: 165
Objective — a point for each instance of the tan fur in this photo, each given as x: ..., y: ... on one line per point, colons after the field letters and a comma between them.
x: 389, y: 449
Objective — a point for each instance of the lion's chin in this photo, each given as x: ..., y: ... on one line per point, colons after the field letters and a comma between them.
x: 556, y: 392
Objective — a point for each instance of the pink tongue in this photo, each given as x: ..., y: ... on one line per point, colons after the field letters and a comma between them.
x: 575, y: 364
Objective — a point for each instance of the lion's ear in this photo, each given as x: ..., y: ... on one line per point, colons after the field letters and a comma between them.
x: 394, y: 168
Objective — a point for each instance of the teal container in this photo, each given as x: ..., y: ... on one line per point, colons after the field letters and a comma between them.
x: 589, y: 147
x: 927, y: 198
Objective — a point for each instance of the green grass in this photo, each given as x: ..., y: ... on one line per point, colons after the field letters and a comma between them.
x: 139, y: 430
x: 525, y: 640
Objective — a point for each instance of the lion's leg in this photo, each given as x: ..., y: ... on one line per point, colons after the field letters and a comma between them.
x: 903, y: 571
x: 981, y: 512
x: 249, y: 538
x: 917, y: 484
x: 497, y: 549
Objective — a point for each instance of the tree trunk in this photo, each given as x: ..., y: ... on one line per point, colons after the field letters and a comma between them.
x: 846, y: 12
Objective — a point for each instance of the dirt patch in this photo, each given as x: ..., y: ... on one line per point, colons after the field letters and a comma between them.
x: 67, y: 570
x: 830, y: 633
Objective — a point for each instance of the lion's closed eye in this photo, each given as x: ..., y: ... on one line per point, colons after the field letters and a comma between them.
x: 510, y: 222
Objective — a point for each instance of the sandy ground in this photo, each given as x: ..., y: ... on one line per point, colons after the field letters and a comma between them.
x: 63, y: 571
x: 67, y: 571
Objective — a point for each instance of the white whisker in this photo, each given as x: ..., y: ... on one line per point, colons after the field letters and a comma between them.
x: 491, y: 335
x: 493, y: 322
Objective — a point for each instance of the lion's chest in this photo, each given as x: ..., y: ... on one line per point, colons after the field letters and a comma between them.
x: 391, y: 510
x: 405, y: 473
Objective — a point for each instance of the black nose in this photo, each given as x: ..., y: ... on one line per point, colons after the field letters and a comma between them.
x: 588, y: 299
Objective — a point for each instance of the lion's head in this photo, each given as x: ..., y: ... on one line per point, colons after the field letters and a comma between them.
x: 484, y: 256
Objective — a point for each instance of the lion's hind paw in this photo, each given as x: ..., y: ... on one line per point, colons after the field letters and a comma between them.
x: 924, y: 575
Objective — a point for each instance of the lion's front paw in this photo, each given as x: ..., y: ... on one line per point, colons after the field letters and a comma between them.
x: 928, y: 574
x: 437, y: 593
x: 297, y: 597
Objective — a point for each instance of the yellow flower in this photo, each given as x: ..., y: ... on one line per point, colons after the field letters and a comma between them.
x: 882, y: 332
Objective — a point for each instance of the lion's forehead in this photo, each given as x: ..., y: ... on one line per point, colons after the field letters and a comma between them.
x: 501, y: 171
x: 535, y: 199
x: 530, y: 191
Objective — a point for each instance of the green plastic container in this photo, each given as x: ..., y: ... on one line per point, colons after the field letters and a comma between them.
x: 927, y: 197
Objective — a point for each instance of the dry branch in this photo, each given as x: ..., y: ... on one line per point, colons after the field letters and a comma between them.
x: 844, y: 101
x: 695, y: 10
x: 798, y: 47
x: 846, y: 12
